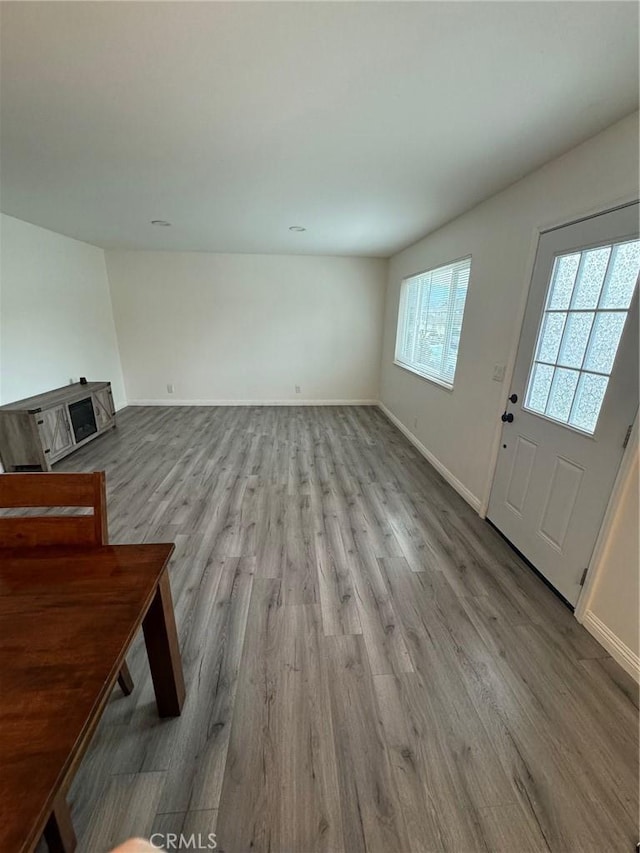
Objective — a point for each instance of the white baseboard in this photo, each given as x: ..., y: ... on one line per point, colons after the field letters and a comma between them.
x: 627, y: 659
x: 460, y: 488
x: 253, y: 403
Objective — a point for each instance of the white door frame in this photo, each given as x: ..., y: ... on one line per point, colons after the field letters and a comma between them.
x: 627, y: 457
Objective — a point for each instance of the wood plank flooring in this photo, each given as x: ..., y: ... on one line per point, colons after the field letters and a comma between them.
x: 368, y: 665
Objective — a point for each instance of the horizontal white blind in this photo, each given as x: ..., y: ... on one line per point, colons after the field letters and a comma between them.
x: 430, y: 320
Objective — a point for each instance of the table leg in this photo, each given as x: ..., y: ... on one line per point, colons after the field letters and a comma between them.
x: 124, y: 679
x: 58, y: 833
x: 161, y: 639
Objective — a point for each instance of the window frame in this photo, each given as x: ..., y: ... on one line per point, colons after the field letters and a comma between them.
x: 400, y: 325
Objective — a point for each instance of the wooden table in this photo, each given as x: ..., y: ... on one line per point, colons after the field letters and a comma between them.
x: 67, y: 617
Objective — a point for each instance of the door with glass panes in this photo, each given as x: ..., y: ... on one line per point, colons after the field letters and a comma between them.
x: 573, y: 398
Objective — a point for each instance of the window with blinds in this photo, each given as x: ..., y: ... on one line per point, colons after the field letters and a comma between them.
x: 430, y: 321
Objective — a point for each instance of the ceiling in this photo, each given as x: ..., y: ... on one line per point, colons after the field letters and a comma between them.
x: 368, y: 123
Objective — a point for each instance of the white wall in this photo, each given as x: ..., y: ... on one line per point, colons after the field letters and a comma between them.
x: 56, y: 321
x: 613, y: 597
x: 247, y: 327
x: 461, y: 428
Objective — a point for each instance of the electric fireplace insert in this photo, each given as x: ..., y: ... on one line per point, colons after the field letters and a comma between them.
x: 83, y: 418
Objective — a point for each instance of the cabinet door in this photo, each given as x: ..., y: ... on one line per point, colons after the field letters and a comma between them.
x: 103, y: 407
x: 55, y: 430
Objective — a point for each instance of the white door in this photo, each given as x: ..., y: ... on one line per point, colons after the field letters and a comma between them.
x: 576, y: 384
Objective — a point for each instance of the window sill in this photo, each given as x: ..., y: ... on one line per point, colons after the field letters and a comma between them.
x: 434, y: 381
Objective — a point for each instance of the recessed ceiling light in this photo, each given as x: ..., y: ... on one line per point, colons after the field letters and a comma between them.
x: 162, y: 222
x: 297, y: 228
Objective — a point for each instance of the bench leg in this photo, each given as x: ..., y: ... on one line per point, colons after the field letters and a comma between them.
x: 124, y: 679
x: 58, y: 833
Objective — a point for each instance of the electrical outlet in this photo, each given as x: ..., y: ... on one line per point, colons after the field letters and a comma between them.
x: 170, y: 387
x: 297, y: 389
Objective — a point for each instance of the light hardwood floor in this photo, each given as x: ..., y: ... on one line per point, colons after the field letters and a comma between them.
x: 368, y: 665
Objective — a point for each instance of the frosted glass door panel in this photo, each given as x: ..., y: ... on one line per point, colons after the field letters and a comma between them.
x: 587, y: 303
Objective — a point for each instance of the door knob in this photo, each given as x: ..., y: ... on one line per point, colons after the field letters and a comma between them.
x: 507, y: 418
x: 513, y: 398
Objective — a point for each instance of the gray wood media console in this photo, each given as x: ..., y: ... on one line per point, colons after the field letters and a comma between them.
x: 37, y: 432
